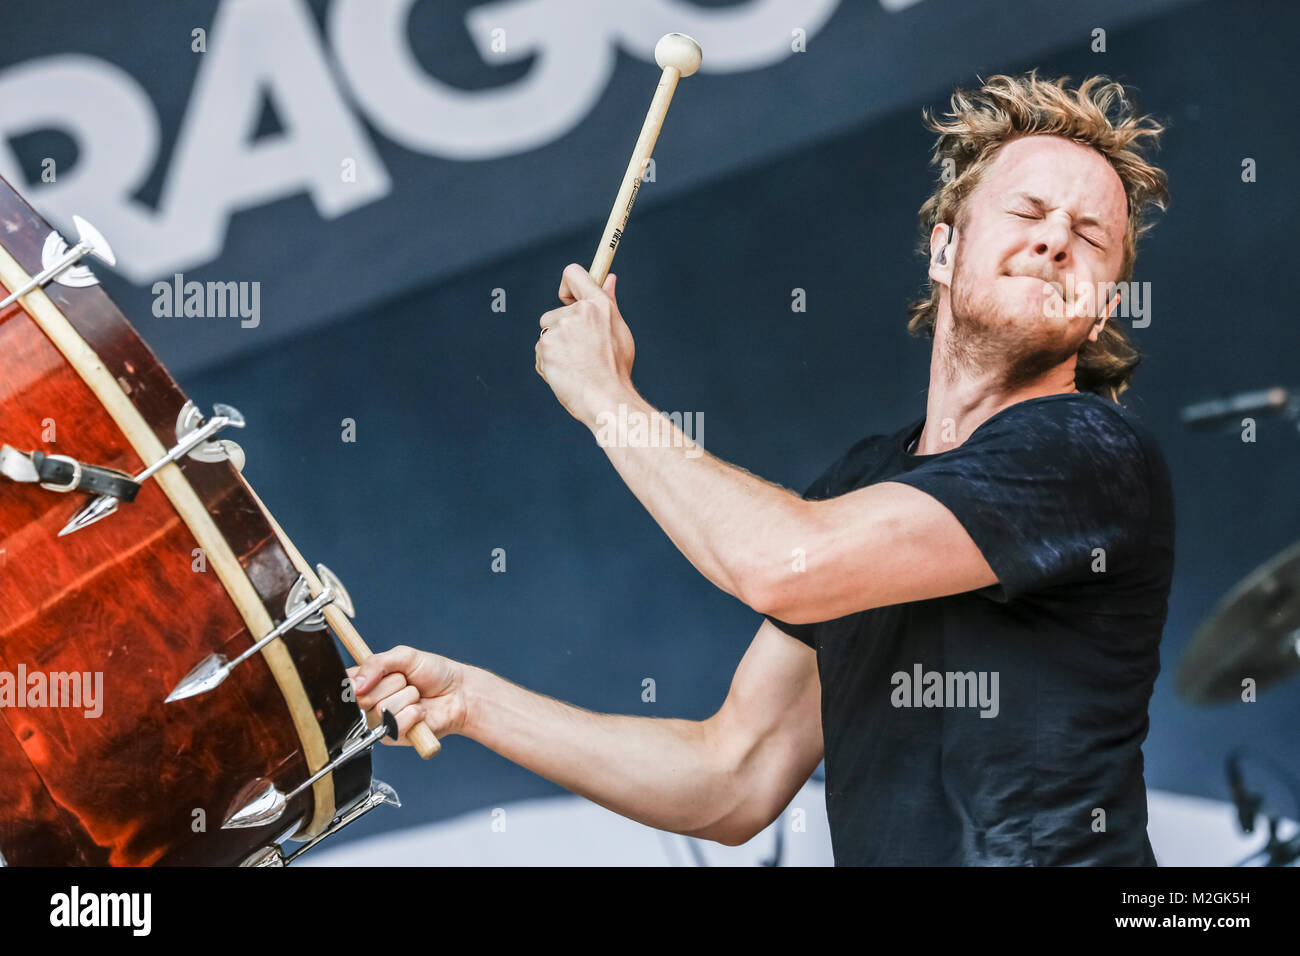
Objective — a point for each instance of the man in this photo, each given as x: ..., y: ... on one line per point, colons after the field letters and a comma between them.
x: 962, y: 616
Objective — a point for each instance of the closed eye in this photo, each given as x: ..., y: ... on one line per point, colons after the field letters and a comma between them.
x: 1030, y: 214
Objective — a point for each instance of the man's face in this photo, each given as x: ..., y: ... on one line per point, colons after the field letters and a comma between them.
x: 1047, y: 211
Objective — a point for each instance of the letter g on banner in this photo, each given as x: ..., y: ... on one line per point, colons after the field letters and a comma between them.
x: 574, y: 62
x: 575, y: 44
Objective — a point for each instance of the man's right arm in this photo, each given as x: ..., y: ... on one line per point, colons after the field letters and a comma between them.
x: 724, y: 778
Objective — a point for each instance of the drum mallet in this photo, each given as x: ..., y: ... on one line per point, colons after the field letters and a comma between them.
x: 679, y: 56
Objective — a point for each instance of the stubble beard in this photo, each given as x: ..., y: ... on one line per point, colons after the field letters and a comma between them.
x: 984, y: 341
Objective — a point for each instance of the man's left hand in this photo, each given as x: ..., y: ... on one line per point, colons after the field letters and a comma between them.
x: 585, y: 349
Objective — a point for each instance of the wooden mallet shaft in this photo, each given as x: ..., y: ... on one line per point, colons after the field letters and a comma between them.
x: 420, y: 736
x: 679, y: 56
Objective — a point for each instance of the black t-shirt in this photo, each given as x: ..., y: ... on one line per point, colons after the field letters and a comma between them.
x: 1005, y: 725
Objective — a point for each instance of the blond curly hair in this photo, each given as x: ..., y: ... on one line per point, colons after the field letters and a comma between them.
x: 1098, y: 113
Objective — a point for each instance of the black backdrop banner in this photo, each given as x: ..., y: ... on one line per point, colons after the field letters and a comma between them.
x: 340, y: 153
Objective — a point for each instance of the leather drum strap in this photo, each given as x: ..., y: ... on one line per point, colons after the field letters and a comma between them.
x: 61, y: 473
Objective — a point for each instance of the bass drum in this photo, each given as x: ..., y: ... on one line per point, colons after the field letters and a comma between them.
x: 99, y: 625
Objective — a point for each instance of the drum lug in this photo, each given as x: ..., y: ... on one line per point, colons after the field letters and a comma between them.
x: 60, y: 263
x: 300, y: 595
x: 215, y: 668
x: 359, y: 730
x: 56, y: 251
x: 379, y: 794
x: 190, y: 420
x: 194, y: 439
x: 260, y: 801
x: 267, y: 856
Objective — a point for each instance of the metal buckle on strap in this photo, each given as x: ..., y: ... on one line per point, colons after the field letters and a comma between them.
x: 72, y: 483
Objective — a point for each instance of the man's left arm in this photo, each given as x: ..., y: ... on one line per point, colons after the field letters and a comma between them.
x: 786, y: 557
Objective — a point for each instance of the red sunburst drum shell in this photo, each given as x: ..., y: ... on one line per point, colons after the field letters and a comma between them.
x: 143, y: 782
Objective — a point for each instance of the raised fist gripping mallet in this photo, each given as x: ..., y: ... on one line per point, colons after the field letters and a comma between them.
x: 678, y: 55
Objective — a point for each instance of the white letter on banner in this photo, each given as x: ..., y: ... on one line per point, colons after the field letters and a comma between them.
x: 575, y: 57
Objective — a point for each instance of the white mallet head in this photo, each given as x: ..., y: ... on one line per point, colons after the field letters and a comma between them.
x: 678, y: 51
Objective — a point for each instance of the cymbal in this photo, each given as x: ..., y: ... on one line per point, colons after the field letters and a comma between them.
x: 1254, y: 631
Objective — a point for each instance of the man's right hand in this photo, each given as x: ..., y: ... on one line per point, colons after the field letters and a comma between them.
x: 724, y: 778
x: 412, y: 685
